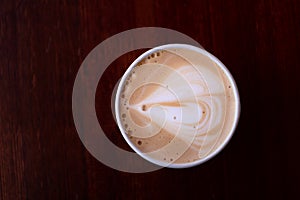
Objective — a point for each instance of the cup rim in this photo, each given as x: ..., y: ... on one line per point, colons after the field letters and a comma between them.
x: 234, y: 88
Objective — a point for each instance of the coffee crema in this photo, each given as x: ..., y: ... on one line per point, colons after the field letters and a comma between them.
x: 177, y: 105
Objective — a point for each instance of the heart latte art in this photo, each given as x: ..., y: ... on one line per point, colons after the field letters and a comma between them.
x: 177, y: 105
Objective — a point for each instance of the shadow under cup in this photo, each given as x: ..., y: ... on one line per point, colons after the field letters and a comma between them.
x: 177, y: 105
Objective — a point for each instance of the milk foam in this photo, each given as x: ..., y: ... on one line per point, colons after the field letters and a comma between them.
x: 177, y: 105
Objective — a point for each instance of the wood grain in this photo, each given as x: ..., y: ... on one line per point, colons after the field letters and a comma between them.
x: 42, y: 44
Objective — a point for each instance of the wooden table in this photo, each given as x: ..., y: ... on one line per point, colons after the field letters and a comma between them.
x: 43, y: 43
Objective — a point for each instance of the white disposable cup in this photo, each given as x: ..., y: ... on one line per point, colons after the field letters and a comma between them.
x: 200, y: 51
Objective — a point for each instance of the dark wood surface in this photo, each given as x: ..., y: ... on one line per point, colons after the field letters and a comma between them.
x: 42, y: 44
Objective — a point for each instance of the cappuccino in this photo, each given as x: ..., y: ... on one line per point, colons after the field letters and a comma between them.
x: 177, y: 104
